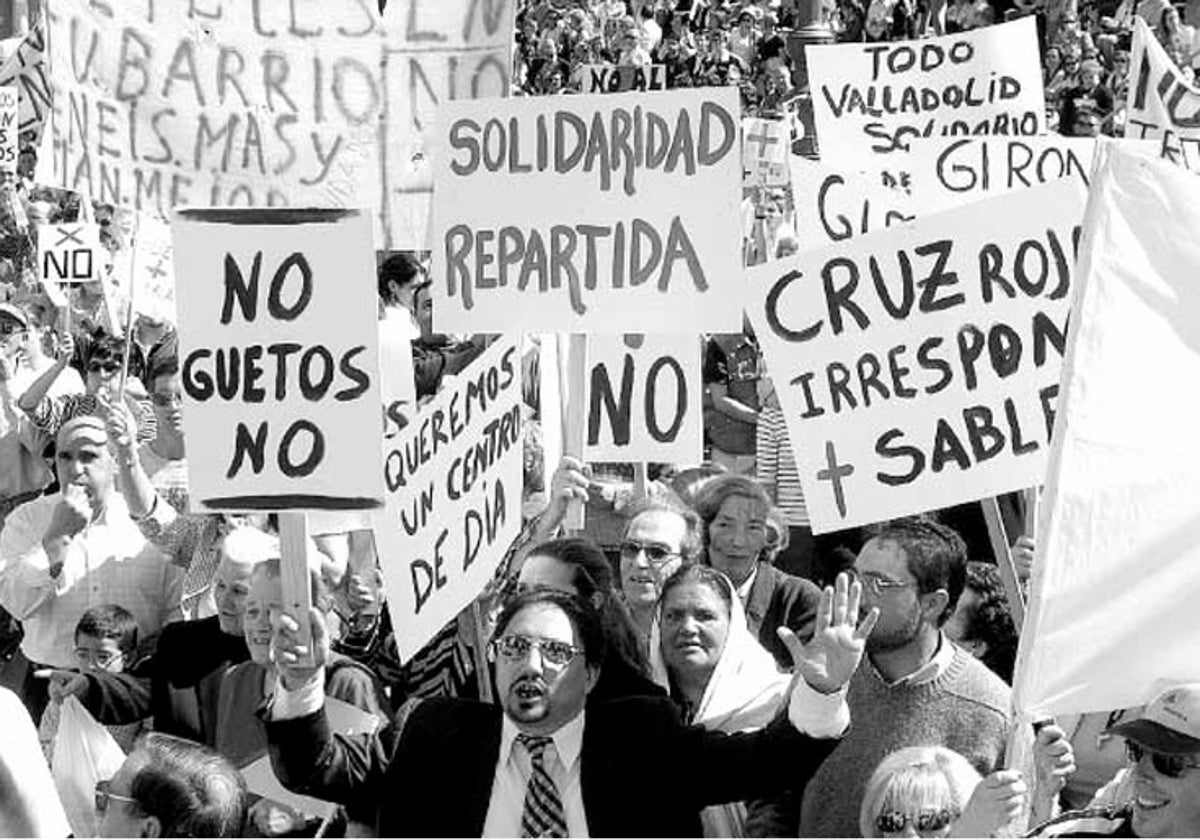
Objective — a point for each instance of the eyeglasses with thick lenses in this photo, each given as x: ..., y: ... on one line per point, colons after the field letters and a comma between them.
x: 558, y: 654
x: 1171, y: 766
x: 894, y: 822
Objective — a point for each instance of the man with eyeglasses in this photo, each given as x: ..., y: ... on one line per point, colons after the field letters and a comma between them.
x: 61, y: 554
x: 914, y: 687
x: 169, y: 787
x: 1158, y: 794
x: 540, y: 762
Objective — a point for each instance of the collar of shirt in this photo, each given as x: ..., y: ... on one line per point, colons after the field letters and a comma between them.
x: 931, y: 670
x: 743, y: 591
x: 568, y: 741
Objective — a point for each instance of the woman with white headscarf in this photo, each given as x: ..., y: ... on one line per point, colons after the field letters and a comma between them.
x: 703, y: 652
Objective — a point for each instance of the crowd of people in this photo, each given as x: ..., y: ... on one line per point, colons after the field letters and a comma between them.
x: 694, y: 662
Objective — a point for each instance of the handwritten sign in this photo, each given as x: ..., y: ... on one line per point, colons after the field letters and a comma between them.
x: 1118, y: 564
x: 607, y: 78
x: 69, y: 254
x: 304, y: 103
x: 454, y: 496
x: 9, y: 146
x: 833, y: 205
x: 279, y: 358
x: 1162, y: 105
x: 766, y: 147
x: 643, y: 395
x: 918, y: 366
x: 871, y: 100
x: 567, y: 214
x: 26, y: 68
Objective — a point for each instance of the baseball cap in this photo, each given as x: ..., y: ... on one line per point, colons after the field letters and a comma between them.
x: 1170, y: 724
x: 16, y: 313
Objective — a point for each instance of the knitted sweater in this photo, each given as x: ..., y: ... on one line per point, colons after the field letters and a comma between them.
x: 966, y: 708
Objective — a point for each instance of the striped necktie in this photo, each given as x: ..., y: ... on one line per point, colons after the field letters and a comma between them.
x: 543, y: 814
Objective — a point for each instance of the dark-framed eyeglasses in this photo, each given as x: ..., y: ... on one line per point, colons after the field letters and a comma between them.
x: 658, y: 555
x: 104, y: 795
x: 894, y: 822
x: 555, y: 653
x: 102, y: 659
x: 1171, y: 766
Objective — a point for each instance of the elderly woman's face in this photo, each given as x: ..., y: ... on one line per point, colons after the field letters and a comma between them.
x: 737, y: 535
x: 695, y: 627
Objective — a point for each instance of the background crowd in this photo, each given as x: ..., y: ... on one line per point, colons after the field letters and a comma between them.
x: 164, y: 625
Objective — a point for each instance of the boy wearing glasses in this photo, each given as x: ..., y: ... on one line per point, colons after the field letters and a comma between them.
x: 106, y: 640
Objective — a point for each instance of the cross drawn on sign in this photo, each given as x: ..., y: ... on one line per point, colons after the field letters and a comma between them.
x: 834, y: 473
x: 69, y: 234
x: 763, y: 139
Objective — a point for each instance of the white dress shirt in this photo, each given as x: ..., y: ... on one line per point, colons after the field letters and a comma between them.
x: 514, y: 769
x: 110, y: 562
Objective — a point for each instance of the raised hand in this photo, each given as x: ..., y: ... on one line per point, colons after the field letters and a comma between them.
x: 71, y: 515
x: 291, y: 657
x: 1054, y: 759
x: 570, y: 481
x: 832, y: 655
x: 997, y: 800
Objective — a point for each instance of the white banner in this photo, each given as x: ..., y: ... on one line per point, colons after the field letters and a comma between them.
x: 304, y: 103
x: 279, y: 358
x: 871, y: 100
x: 1112, y: 620
x: 454, y: 480
x: 833, y: 205
x: 69, y: 253
x: 918, y: 366
x: 766, y: 147
x: 644, y: 399
x: 610, y: 213
x: 1162, y: 105
x: 26, y: 69
x: 608, y: 78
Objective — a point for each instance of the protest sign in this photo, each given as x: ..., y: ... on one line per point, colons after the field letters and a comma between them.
x: 302, y: 103
x: 1162, y: 106
x: 950, y: 172
x: 26, y: 69
x: 644, y: 399
x: 565, y: 214
x: 153, y: 268
x: 9, y: 147
x: 1118, y: 563
x: 454, y: 481
x: 766, y: 147
x: 69, y: 253
x: 279, y: 358
x: 871, y: 100
x: 833, y: 205
x: 608, y: 78
x: 917, y: 366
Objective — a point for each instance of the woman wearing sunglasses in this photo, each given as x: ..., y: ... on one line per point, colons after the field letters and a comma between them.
x: 935, y: 792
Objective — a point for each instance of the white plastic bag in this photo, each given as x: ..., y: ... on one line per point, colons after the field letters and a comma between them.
x: 84, y: 753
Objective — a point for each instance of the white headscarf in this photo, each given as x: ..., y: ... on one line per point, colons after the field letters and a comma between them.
x: 744, y: 693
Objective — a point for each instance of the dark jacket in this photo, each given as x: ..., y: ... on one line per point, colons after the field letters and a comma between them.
x: 178, y: 686
x: 438, y: 783
x: 776, y: 600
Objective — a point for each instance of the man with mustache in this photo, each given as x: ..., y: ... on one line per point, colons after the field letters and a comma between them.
x: 543, y: 763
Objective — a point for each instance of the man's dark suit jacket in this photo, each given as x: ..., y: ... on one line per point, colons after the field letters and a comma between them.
x: 776, y: 600
x: 644, y: 773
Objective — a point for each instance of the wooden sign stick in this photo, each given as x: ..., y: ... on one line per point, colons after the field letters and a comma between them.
x: 297, y: 581
x: 1004, y: 561
x: 641, y: 481
x: 573, y: 382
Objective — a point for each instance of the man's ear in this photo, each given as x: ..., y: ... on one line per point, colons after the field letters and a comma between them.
x: 151, y: 827
x: 976, y: 647
x: 933, y: 604
x: 593, y: 677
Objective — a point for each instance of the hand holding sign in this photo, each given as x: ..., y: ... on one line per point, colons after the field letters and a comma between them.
x: 289, y: 655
